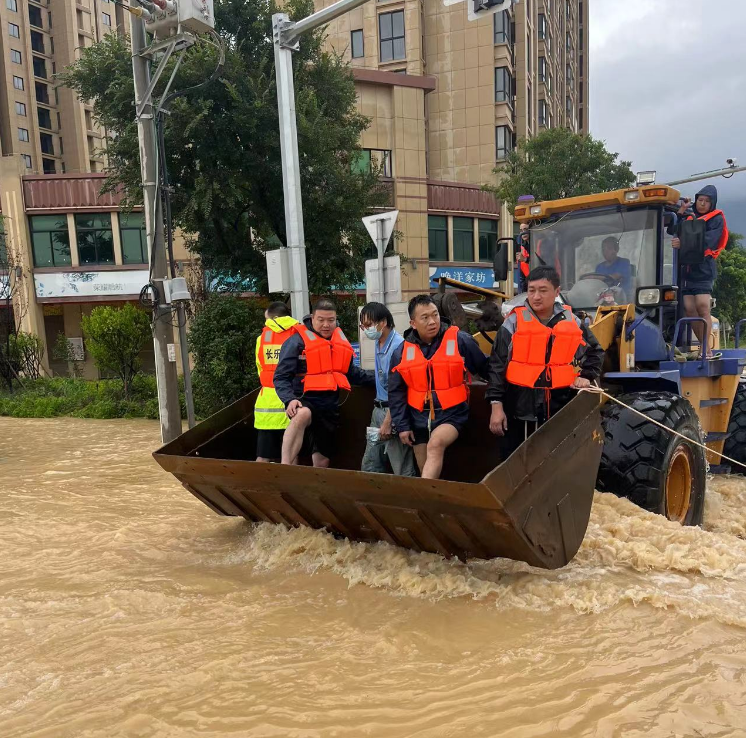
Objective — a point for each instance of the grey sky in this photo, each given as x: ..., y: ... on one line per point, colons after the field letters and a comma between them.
x: 668, y: 89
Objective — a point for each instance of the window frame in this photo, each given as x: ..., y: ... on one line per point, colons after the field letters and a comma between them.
x: 124, y: 228
x: 460, y: 241
x: 361, y: 37
x: 434, y: 245
x: 507, y: 146
x: 23, y: 114
x: 12, y: 5
x: 485, y: 246
x: 57, y: 260
x: 96, y: 233
x: 15, y: 53
x: 506, y: 79
x: 393, y: 38
x: 23, y: 135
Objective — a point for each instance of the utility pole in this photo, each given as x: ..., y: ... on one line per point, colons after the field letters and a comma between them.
x: 168, y: 384
x: 726, y: 172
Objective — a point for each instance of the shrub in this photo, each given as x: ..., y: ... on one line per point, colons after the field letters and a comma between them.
x: 26, y: 354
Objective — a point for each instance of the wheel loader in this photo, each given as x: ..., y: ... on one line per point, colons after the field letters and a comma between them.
x: 534, y: 505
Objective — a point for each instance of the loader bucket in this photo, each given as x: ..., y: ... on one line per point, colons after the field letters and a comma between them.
x: 534, y: 506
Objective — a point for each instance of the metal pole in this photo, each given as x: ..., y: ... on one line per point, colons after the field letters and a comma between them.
x: 186, y: 369
x: 381, y: 266
x: 165, y: 371
x: 323, y: 16
x: 294, y: 236
x: 708, y: 175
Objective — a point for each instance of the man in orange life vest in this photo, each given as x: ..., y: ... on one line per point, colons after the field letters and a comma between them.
x: 698, y: 279
x: 314, y: 365
x: 523, y: 257
x: 541, y: 353
x: 428, y: 393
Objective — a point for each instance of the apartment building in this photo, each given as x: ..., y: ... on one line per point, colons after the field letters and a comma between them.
x: 448, y: 99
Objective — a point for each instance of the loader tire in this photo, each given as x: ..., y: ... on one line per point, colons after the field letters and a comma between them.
x: 735, y: 444
x: 654, y: 469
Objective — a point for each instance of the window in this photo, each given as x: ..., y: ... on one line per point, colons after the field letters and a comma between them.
x: 47, y: 143
x: 568, y: 42
x: 580, y: 118
x: 530, y: 107
x: 48, y: 166
x: 14, y: 30
x: 542, y: 26
x: 42, y: 93
x: 487, y: 239
x: 95, y: 239
x: 12, y: 5
x: 106, y: 18
x: 542, y: 69
x: 503, y: 28
x: 580, y: 94
x: 34, y: 16
x: 568, y: 74
x: 580, y: 39
x: 568, y: 10
x: 437, y: 237
x: 357, y: 44
x: 369, y: 159
x: 21, y: 109
x: 134, y: 238
x: 23, y: 134
x: 549, y: 82
x: 50, y: 239
x: 529, y: 56
x: 15, y: 56
x: 37, y: 42
x: 503, y: 142
x: 391, y: 34
x: 548, y: 41
x: 40, y: 67
x: 44, y: 117
x: 18, y: 82
x: 503, y: 85
x: 463, y: 239
x: 542, y: 112
x: 27, y: 160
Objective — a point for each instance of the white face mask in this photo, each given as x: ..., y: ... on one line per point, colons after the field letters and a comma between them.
x: 373, y: 333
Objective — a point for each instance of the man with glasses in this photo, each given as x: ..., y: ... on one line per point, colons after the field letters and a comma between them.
x: 314, y: 365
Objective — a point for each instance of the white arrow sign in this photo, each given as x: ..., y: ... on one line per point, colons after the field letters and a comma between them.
x: 381, y: 226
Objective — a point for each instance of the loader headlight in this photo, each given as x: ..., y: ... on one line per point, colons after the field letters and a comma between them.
x: 655, y: 296
x: 535, y: 210
x: 631, y: 196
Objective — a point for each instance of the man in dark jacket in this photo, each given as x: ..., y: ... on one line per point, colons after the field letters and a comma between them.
x: 698, y: 279
x: 525, y: 398
x: 428, y: 393
x: 309, y: 387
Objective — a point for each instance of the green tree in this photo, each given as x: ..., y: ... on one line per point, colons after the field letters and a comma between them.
x: 222, y: 339
x: 114, y: 338
x: 730, y: 286
x: 558, y: 163
x: 223, y: 147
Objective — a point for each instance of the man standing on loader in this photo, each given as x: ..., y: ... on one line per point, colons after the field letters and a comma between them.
x: 314, y: 365
x: 541, y: 353
x: 270, y: 419
x: 698, y: 279
x: 428, y: 385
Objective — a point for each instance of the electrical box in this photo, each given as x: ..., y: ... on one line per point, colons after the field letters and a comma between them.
x: 278, y: 270
x: 187, y: 16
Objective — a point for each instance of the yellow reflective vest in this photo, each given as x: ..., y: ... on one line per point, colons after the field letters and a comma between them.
x: 269, y: 411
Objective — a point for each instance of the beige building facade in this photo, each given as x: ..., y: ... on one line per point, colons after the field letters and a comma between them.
x: 448, y: 99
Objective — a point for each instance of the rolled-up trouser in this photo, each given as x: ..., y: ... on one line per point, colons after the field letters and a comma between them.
x: 376, y: 454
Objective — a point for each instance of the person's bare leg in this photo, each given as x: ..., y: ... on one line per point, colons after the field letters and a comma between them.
x: 440, y: 439
x: 690, y: 308
x: 293, y: 438
x: 702, y: 303
x: 320, y: 461
x: 420, y: 454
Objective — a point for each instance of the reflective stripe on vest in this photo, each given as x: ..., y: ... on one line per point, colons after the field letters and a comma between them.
x: 722, y: 241
x: 327, y: 361
x: 531, y: 342
x: 444, y: 374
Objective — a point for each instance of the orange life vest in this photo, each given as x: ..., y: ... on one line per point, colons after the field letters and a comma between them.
x: 445, y: 373
x: 714, y: 253
x: 269, y: 354
x: 524, y: 265
x: 327, y: 360
x: 530, y: 343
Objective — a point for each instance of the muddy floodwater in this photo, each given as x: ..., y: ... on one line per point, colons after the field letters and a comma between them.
x: 127, y: 608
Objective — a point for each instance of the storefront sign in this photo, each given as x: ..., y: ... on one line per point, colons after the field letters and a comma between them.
x: 478, y: 276
x: 90, y: 284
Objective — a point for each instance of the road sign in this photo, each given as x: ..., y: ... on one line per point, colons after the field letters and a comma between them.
x: 381, y: 235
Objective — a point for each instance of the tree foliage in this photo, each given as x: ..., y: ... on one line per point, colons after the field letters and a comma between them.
x: 114, y: 338
x: 26, y: 353
x: 730, y: 286
x: 223, y: 147
x: 558, y: 163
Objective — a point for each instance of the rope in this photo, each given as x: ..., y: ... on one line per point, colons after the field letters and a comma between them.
x: 599, y: 391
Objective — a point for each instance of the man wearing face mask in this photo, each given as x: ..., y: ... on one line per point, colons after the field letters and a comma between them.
x: 377, y: 324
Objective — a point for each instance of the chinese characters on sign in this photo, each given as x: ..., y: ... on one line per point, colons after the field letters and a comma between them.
x: 480, y: 277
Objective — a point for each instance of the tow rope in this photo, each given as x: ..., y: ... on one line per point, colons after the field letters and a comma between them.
x: 599, y: 391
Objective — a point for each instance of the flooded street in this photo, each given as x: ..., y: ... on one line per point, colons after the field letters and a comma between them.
x: 129, y: 609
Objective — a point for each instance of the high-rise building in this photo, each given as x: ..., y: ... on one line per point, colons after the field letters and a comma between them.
x: 448, y: 99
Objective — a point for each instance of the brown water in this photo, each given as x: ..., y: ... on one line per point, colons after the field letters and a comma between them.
x: 129, y: 609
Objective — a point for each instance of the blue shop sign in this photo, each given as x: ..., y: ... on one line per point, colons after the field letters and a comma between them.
x: 355, y: 353
x: 478, y: 276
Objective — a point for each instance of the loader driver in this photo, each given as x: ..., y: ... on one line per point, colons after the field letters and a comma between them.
x: 270, y: 419
x: 314, y: 365
x: 428, y: 386
x: 541, y: 353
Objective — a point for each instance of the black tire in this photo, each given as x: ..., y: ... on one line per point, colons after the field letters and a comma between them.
x: 638, y: 457
x: 735, y: 444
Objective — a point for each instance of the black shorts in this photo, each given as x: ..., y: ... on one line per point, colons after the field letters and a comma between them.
x: 269, y: 444
x: 694, y: 291
x: 422, y: 435
x: 321, y: 435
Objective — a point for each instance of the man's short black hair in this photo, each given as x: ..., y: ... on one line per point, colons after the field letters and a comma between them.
x: 375, y: 312
x: 548, y: 273
x: 418, y: 300
x: 278, y: 310
x: 323, y: 303
x: 611, y: 241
